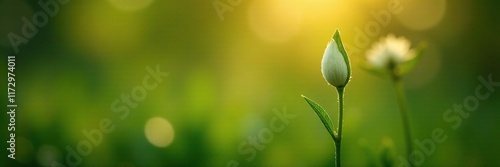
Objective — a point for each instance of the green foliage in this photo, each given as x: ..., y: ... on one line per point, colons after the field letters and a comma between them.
x: 407, y: 66
x: 323, y: 116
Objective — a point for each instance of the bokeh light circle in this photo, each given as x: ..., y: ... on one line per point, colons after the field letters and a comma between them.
x: 275, y: 20
x: 131, y: 5
x: 422, y: 14
x: 47, y: 154
x: 159, y: 132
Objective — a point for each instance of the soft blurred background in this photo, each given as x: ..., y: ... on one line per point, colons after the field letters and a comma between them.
x: 229, y: 71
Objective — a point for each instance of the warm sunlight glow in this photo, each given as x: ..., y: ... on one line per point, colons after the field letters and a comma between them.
x: 275, y: 20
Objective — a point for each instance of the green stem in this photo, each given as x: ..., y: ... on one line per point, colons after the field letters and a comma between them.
x: 340, y: 91
x: 403, y: 107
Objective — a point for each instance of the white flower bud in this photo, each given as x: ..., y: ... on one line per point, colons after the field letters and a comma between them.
x: 335, y: 64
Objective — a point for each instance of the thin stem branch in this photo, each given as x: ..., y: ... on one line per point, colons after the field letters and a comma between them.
x: 340, y: 91
x: 403, y: 108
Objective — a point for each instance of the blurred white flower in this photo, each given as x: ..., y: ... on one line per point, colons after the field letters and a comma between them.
x: 334, y: 66
x: 390, y: 49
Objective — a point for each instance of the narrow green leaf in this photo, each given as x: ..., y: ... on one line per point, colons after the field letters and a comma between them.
x: 340, y: 45
x: 323, y: 116
x: 376, y: 71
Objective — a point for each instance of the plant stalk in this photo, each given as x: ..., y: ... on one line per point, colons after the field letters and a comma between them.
x: 340, y: 91
x: 403, y: 108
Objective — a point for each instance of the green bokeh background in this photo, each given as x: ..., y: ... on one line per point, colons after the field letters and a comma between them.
x: 226, y: 77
